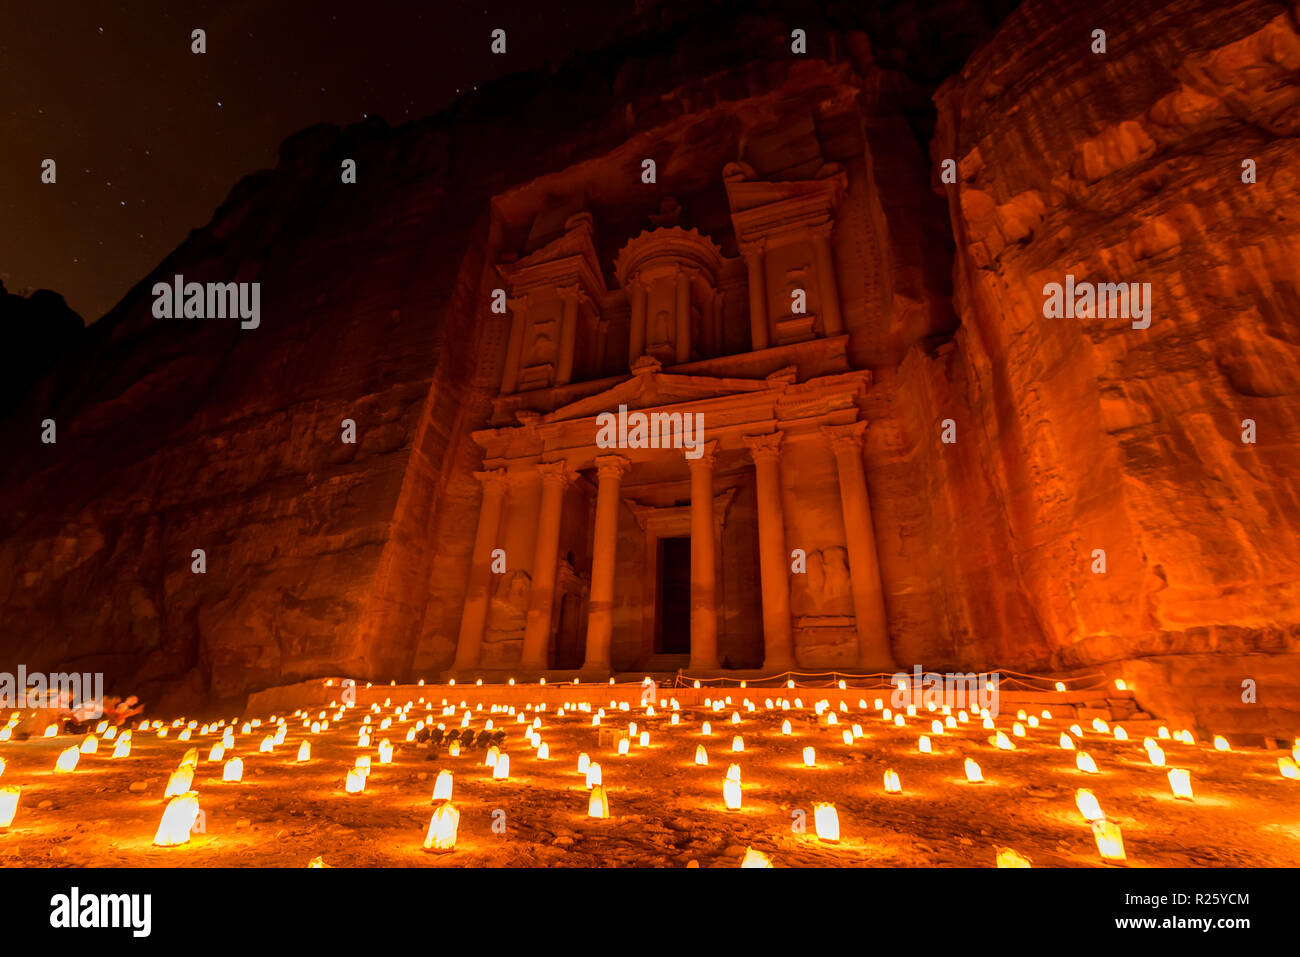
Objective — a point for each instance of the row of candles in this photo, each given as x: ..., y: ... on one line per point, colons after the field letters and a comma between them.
x: 182, y: 810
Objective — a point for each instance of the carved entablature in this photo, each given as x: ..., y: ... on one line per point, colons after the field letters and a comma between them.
x: 783, y: 229
x: 554, y: 293
x: 671, y: 278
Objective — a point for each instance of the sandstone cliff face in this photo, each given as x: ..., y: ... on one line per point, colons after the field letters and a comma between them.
x: 1086, y: 433
x: 1072, y: 434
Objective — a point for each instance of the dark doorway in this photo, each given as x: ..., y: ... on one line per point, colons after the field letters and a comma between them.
x: 673, y: 606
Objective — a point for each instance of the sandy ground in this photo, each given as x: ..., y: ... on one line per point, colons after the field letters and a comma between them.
x: 666, y: 810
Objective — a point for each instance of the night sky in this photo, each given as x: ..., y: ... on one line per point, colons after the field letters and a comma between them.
x: 149, y: 138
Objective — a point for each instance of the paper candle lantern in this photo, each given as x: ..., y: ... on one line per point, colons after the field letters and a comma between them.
x: 973, y: 773
x: 1288, y: 768
x: 731, y: 794
x: 385, y: 752
x: 501, y: 770
x: 9, y: 795
x: 892, y: 784
x: 442, y: 786
x: 1180, y: 782
x: 737, y: 743
x: 583, y: 763
x: 1087, y: 804
x: 847, y: 736
x: 441, y: 837
x: 89, y: 744
x: 1067, y: 743
x: 67, y: 761
x: 923, y: 744
x: 755, y: 858
x: 1110, y: 840
x: 356, y: 781
x: 1156, y: 756
x: 1084, y: 762
x: 233, y: 771
x: 826, y: 822
x: 122, y: 748
x: 701, y: 756
x: 1007, y: 857
x: 809, y: 758
x: 676, y: 719
x: 178, y: 820
x: 598, y: 803
x: 543, y: 751
x: 644, y: 740
x: 785, y: 726
x: 180, y: 781
x: 623, y: 745
x: 454, y: 749
x: 1003, y: 742
x: 705, y: 729
x: 51, y: 730
x: 1018, y: 730
x: 593, y: 775
x: 1221, y: 743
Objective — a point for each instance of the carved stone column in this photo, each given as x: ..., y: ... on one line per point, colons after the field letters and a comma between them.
x: 683, y: 337
x: 473, y: 619
x: 860, y: 541
x: 572, y: 297
x: 556, y: 477
x: 704, y: 584
x: 759, y: 334
x: 636, y: 294
x: 826, y: 285
x: 518, y: 317
x: 600, y: 614
x: 778, y: 633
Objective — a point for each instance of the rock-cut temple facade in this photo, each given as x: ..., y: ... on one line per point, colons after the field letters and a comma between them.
x: 746, y: 542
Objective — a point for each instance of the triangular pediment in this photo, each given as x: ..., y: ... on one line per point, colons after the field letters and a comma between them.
x: 655, y: 390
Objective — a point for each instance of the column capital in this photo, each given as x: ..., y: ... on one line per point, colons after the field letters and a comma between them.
x: 572, y: 291
x: 612, y: 466
x: 752, y: 248
x: 705, y: 458
x: 492, y: 479
x: 765, y: 448
x: 556, y: 473
x: 846, y: 438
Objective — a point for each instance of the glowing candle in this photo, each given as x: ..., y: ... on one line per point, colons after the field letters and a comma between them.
x: 178, y: 820
x: 598, y: 803
x: 898, y: 721
x: 623, y: 745
x: 9, y: 795
x: 453, y: 750
x: 385, y: 752
x: 1180, y: 782
x: 1003, y: 742
x: 122, y: 748
x: 1060, y: 686
x: 1088, y: 805
x: 1221, y: 743
x: 1110, y: 840
x: 67, y: 761
x: 441, y: 836
x: 923, y: 744
x: 701, y: 756
x: 502, y: 770
x: 1156, y: 756
x: 1067, y: 743
x: 644, y: 740
x: 785, y: 726
x: 51, y: 730
x: 676, y: 719
x: 1076, y: 731
x: 304, y: 752
x: 89, y: 744
x: 593, y: 775
x: 755, y: 858
x: 1120, y: 734
x: 1084, y: 762
x: 705, y: 729
x: 1288, y: 768
x: 267, y: 745
x: 826, y: 822
x: 892, y: 784
x: 356, y: 781
x: 543, y: 751
x: 442, y: 786
x: 1008, y: 857
x: 180, y: 781
x: 583, y: 762
x: 1018, y: 730
x: 737, y: 743
x: 731, y: 794
x: 1099, y: 726
x: 809, y: 758
x: 233, y: 772
x: 973, y: 774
